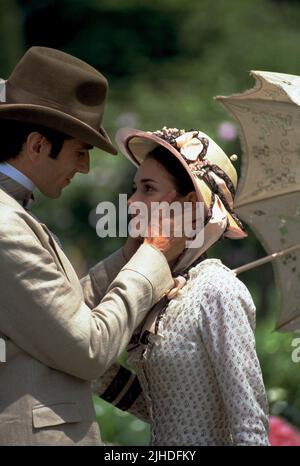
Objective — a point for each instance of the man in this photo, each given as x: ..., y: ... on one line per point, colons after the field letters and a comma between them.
x: 60, y: 333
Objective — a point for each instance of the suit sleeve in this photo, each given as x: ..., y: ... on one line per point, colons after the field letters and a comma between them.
x: 47, y: 317
x: 96, y: 282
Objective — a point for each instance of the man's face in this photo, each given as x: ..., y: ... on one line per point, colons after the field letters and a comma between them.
x: 51, y: 176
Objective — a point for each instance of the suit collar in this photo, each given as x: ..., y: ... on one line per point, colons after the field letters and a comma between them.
x: 58, y: 255
x: 16, y: 190
x: 15, y: 174
x: 8, y: 199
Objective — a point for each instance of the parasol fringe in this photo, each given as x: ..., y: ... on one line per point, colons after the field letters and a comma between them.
x: 265, y: 260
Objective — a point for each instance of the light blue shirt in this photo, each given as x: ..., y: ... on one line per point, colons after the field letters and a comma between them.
x: 16, y: 175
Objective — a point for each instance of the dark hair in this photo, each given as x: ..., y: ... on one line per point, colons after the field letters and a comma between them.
x: 181, y: 179
x: 13, y: 135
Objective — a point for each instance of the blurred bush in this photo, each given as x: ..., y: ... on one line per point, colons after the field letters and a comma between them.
x: 119, y: 427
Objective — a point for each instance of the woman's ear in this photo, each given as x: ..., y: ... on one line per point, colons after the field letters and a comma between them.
x: 191, y: 197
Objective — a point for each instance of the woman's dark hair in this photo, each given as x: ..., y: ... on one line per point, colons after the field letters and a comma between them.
x: 181, y: 179
x: 13, y: 134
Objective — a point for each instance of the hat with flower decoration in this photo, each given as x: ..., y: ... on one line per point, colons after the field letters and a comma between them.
x: 210, y: 169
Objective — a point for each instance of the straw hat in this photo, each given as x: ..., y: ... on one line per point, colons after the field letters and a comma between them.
x: 209, y: 168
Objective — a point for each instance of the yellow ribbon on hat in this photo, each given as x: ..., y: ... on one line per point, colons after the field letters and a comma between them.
x: 189, y: 145
x: 193, y: 149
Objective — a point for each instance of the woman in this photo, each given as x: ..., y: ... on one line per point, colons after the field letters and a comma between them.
x: 194, y: 357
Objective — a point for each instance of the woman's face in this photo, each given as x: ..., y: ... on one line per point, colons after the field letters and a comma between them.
x: 151, y: 183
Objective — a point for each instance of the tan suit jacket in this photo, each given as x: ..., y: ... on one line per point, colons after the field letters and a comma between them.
x: 60, y: 333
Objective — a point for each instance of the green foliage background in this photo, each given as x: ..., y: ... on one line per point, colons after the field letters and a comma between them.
x: 165, y: 60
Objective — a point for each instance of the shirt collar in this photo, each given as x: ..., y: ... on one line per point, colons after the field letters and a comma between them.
x: 16, y: 175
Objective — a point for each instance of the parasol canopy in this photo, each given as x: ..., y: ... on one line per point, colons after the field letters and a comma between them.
x: 268, y: 197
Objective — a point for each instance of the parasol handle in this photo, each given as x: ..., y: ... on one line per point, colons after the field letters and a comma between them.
x: 264, y: 260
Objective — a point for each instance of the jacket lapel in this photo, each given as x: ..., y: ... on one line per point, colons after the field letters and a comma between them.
x: 45, y: 237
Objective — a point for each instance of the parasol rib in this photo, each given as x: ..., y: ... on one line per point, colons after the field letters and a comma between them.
x: 265, y: 260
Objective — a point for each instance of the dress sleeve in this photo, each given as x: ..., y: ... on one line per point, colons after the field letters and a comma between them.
x: 228, y: 322
x: 120, y: 387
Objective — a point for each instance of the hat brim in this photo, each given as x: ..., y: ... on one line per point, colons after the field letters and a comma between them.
x: 136, y: 145
x: 145, y: 143
x: 59, y: 121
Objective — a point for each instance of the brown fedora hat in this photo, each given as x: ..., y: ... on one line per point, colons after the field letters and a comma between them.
x: 54, y: 89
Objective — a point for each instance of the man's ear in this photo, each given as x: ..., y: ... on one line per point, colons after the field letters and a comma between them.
x: 36, y: 146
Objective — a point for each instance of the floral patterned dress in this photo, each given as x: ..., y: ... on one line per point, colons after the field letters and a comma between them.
x: 201, y: 378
